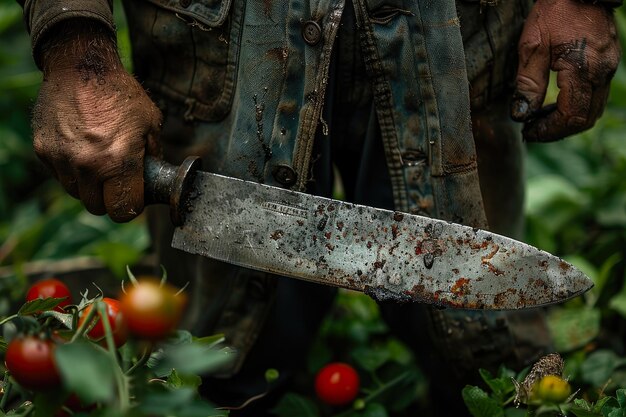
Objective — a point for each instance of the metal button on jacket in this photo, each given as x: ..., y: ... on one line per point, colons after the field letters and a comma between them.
x: 311, y: 32
x: 285, y: 175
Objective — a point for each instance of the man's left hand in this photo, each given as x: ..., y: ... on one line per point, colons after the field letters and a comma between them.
x: 579, y: 42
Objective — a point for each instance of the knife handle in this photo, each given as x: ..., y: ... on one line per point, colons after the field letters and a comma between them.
x: 165, y: 183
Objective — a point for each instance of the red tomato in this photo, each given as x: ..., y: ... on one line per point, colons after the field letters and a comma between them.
x: 116, y: 321
x: 152, y: 310
x: 50, y: 288
x: 30, y: 360
x: 337, y: 383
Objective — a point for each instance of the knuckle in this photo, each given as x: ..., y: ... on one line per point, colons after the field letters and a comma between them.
x: 39, y: 145
x: 577, y: 123
x: 527, y: 84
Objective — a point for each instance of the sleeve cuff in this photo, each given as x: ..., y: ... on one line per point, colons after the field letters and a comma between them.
x: 41, y: 15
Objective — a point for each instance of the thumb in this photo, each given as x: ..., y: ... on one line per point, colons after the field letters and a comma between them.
x: 532, y: 74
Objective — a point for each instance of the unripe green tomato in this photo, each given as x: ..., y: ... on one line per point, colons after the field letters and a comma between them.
x: 359, y: 404
x: 271, y: 375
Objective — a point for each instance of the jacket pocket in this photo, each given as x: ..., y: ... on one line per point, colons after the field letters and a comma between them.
x: 211, y: 13
x: 186, y: 52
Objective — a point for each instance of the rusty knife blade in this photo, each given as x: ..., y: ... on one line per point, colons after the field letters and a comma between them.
x: 385, y: 254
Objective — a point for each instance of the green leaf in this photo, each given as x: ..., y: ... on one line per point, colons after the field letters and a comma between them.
x: 515, y: 412
x: 501, y: 386
x: 181, y: 337
x: 292, y: 404
x: 177, y: 380
x: 374, y: 410
x: 581, y: 412
x: 370, y: 359
x: 39, y: 305
x: 573, y: 328
x: 116, y: 256
x: 547, y: 190
x: 47, y: 402
x: 605, y: 273
x: 581, y: 408
x: 65, y: 319
x: 399, y: 352
x: 181, y: 402
x: 211, y: 341
x: 598, y: 367
x: 621, y: 400
x: 480, y: 404
x: 190, y: 358
x: 582, y: 404
x: 3, y: 345
x: 618, y: 302
x: 617, y: 413
x: 23, y: 410
x: 86, y: 369
x: 612, y: 213
x: 603, y: 402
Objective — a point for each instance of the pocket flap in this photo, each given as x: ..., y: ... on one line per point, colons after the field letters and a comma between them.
x: 211, y: 13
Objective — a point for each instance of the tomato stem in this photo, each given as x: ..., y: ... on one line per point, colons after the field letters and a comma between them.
x: 29, y: 411
x: 7, y: 319
x: 131, y: 276
x: 142, y: 360
x: 120, y: 379
x: 108, y: 332
x: 163, y: 276
x: 84, y: 325
x: 6, y: 387
x: 245, y: 403
x: 387, y: 385
x: 384, y: 387
x: 509, y: 400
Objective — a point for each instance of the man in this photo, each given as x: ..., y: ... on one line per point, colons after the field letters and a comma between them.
x: 279, y: 92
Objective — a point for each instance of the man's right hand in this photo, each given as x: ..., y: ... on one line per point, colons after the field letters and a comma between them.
x: 93, y: 122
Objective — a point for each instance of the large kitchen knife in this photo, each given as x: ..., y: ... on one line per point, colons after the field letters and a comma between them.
x: 388, y: 255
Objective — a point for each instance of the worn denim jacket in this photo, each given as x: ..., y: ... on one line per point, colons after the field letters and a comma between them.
x: 256, y: 73
x: 242, y: 83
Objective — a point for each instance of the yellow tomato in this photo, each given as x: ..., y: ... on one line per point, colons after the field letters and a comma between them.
x: 552, y: 388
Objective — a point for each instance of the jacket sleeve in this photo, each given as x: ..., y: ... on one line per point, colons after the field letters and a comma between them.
x: 41, y: 15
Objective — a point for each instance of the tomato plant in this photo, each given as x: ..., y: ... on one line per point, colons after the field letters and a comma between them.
x: 115, y: 318
x: 152, y: 308
x: 50, y: 288
x: 30, y: 359
x: 337, y: 383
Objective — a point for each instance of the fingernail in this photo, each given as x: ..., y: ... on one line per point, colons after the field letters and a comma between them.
x: 519, y: 109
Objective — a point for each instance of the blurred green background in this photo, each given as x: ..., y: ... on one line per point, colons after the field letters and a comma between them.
x: 575, y: 208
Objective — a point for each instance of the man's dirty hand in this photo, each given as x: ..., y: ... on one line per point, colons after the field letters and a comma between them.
x: 578, y: 40
x: 93, y: 122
